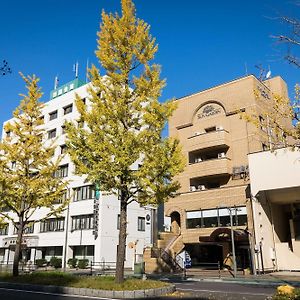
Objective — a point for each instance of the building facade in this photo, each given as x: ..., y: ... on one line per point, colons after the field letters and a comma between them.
x: 215, y: 182
x: 88, y: 228
x: 275, y: 190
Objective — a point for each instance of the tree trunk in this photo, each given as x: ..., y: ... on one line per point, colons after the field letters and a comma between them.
x: 121, y: 250
x: 18, y: 247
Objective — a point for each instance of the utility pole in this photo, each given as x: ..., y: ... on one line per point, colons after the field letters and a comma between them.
x: 232, y: 243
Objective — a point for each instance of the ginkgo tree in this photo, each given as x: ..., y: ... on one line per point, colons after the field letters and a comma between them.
x: 27, y: 168
x: 120, y: 147
x: 280, y: 120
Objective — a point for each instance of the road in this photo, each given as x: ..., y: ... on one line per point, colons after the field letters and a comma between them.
x: 187, y: 290
x: 225, y: 290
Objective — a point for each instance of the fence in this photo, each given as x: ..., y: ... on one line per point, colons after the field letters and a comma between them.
x: 23, y: 267
x: 103, y: 268
x: 209, y: 267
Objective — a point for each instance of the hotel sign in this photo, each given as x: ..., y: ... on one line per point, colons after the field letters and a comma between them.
x: 209, y: 110
x: 263, y: 92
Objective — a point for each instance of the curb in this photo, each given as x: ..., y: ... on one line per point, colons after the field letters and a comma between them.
x: 90, y: 292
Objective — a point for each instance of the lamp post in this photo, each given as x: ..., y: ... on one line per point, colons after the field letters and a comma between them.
x: 232, y: 242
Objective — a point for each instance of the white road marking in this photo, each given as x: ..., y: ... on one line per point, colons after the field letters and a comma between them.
x: 54, y: 294
x: 214, y: 291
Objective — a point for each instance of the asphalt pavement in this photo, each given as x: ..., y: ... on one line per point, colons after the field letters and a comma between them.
x: 221, y: 290
x: 12, y: 294
x: 185, y: 290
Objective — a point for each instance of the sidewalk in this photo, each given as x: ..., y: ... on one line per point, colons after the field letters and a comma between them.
x: 269, y: 279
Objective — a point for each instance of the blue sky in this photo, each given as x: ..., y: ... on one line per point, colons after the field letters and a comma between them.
x: 201, y: 43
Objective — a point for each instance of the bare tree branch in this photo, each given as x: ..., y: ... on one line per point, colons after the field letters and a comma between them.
x: 4, y: 69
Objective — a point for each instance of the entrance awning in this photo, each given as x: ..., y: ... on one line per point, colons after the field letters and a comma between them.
x: 223, y: 234
x: 286, y: 195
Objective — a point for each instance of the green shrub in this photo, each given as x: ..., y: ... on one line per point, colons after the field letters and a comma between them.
x: 41, y: 262
x: 72, y: 262
x: 55, y: 262
x: 83, y: 263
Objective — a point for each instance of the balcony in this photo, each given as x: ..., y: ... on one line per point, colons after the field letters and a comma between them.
x: 218, y: 166
x: 218, y: 138
x: 228, y: 196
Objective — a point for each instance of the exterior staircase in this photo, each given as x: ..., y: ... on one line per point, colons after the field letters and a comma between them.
x: 162, y: 258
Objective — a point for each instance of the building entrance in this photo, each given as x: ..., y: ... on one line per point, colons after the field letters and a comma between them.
x: 205, y: 255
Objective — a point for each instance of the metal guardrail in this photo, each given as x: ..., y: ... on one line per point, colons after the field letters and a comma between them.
x: 102, y: 268
x: 210, y: 266
x: 23, y: 267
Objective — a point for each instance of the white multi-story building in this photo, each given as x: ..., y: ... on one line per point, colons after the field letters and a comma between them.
x: 74, y: 235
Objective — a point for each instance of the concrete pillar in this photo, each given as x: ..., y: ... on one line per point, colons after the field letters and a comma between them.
x: 6, y: 256
x: 33, y: 254
x: 38, y: 253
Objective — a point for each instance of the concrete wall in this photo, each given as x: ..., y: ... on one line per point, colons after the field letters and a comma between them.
x: 274, y: 170
x: 274, y: 187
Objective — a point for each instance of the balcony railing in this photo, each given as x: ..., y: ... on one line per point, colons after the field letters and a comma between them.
x: 227, y: 196
x: 208, y: 139
x: 217, y: 166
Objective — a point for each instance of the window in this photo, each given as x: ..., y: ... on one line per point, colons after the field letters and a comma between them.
x: 219, y: 217
x: 62, y: 171
x: 210, y: 218
x: 82, y: 252
x: 262, y: 123
x: 29, y: 228
x: 8, y: 134
x: 84, y: 193
x: 80, y: 124
x: 33, y: 173
x: 68, y: 109
x: 141, y: 224
x: 82, y: 222
x: 4, y: 229
x: 53, y: 115
x: 53, y: 225
x: 63, y: 129
x: 264, y: 147
x: 224, y: 217
x: 52, y: 134
x: 63, y: 149
x: 240, y: 216
x: 194, y: 219
x: 13, y: 165
x: 49, y: 252
x: 63, y: 198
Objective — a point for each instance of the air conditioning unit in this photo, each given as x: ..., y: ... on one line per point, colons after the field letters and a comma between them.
x: 198, y: 159
x: 221, y: 155
x: 192, y: 188
x: 218, y: 128
x: 201, y: 187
